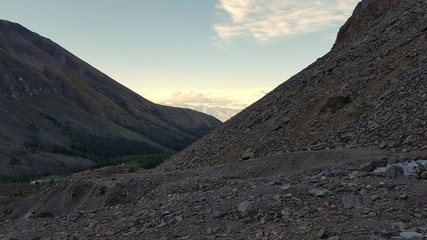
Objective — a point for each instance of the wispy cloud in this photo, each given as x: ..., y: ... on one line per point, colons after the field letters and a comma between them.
x: 224, y: 98
x: 265, y: 20
x: 216, y: 102
x: 197, y: 98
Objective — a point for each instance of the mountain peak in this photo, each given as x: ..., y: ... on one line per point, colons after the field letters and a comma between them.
x: 363, y: 16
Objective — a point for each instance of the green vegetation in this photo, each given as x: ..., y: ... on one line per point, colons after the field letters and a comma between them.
x: 94, y: 146
x: 61, y: 150
x: 107, y: 155
x: 90, y: 145
x: 132, y: 167
x: 34, y: 144
x: 300, y: 94
x: 18, y: 179
x: 104, y: 150
x: 107, y: 150
x: 164, y: 137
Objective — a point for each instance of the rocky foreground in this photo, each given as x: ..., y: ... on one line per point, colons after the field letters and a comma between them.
x: 340, y: 194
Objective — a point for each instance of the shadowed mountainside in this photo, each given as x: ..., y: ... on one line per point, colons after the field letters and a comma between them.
x: 52, y: 101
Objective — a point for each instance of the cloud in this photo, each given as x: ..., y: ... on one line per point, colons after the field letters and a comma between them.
x: 194, y: 98
x: 216, y: 102
x: 223, y: 98
x: 265, y: 20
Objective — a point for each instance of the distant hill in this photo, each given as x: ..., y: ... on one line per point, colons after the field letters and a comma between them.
x: 220, y: 113
x: 52, y: 101
x: 370, y: 90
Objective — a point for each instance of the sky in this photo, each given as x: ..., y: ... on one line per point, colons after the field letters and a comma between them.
x: 215, y: 53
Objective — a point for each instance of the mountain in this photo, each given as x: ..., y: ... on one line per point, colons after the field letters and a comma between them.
x: 52, y: 101
x: 368, y: 91
x: 367, y: 97
x: 220, y: 113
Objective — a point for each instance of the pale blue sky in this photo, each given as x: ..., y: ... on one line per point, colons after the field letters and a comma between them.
x: 212, y: 52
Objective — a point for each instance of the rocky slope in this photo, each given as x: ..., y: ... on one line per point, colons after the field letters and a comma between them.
x: 370, y: 90
x: 50, y: 100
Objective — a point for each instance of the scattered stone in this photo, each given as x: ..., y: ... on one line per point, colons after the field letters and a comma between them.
x: 376, y: 238
x: 393, y: 144
x: 372, y: 214
x: 318, y: 192
x: 394, y: 171
x: 274, y: 183
x: 288, y: 195
x: 318, y: 147
x: 262, y: 235
x: 389, y: 185
x: 382, y: 145
x: 217, y: 214
x: 298, y: 212
x: 412, y: 235
x: 399, y: 225
x: 409, y: 140
x: 374, y: 197
x: 351, y: 201
x: 409, y: 168
x: 277, y: 198
x: 403, y: 196
x: 246, y: 209
x: 248, y: 154
x: 323, y: 234
x: 367, y: 167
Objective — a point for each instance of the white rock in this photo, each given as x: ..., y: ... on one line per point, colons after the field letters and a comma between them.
x: 412, y: 235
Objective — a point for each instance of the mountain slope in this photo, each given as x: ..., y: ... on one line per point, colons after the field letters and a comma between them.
x: 368, y: 91
x: 50, y: 100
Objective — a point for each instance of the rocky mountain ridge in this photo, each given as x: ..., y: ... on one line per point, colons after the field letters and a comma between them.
x: 370, y: 90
